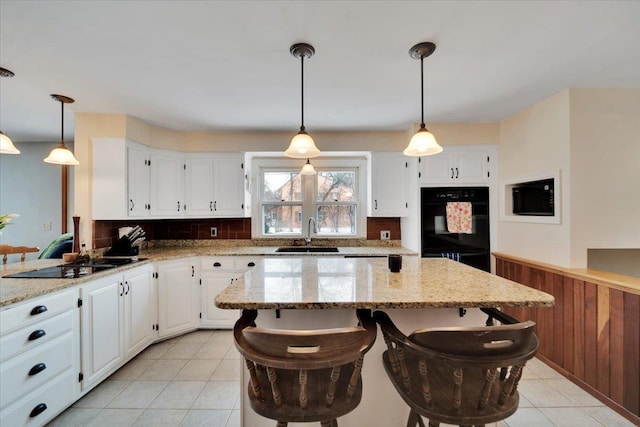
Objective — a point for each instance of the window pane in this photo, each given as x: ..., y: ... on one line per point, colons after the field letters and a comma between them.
x: 278, y: 219
x: 337, y: 219
x: 336, y: 186
x: 282, y: 187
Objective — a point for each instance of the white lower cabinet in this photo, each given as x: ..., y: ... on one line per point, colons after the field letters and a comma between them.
x: 116, y: 321
x: 177, y: 297
x: 216, y: 274
x: 139, y: 310
x: 39, y: 359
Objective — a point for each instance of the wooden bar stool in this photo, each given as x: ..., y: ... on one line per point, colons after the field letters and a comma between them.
x: 304, y: 376
x: 450, y: 375
x: 9, y: 250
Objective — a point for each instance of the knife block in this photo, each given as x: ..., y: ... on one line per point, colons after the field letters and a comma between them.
x: 122, y: 248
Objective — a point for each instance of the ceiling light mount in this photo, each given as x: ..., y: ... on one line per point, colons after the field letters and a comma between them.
x: 302, y: 51
x: 6, y: 73
x: 61, y: 155
x: 423, y: 143
x: 422, y: 50
x: 302, y: 145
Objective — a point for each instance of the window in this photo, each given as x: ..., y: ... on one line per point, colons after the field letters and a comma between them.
x: 286, y: 199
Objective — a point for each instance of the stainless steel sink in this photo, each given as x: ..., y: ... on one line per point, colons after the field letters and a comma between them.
x: 307, y: 249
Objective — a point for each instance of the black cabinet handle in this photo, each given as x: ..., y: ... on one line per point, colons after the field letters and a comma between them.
x: 215, y: 205
x: 40, y: 408
x: 126, y: 292
x: 37, y: 369
x: 217, y: 264
x: 251, y: 264
x: 193, y: 271
x: 451, y: 173
x: 178, y: 206
x: 457, y: 173
x: 211, y: 206
x: 36, y: 334
x: 122, y: 289
x: 38, y: 309
x: 376, y: 204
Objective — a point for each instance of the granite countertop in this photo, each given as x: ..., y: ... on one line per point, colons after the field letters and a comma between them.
x: 333, y: 283
x: 16, y: 290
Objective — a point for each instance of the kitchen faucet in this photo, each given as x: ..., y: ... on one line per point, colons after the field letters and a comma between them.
x: 315, y: 230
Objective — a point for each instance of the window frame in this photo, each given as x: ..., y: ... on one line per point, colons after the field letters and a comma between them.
x: 309, y: 194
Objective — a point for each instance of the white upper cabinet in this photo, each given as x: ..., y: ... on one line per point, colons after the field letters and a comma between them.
x: 460, y: 165
x: 138, y: 177
x: 228, y: 185
x: 214, y: 185
x: 132, y: 180
x: 389, y: 185
x: 167, y: 184
x: 199, y: 186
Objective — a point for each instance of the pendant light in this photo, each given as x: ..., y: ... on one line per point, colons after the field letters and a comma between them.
x: 6, y: 144
x: 302, y: 145
x: 308, y: 169
x: 423, y: 143
x: 61, y: 155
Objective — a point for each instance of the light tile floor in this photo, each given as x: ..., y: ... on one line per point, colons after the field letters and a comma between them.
x: 193, y: 380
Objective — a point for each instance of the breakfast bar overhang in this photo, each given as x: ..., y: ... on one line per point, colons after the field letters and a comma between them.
x: 324, y: 292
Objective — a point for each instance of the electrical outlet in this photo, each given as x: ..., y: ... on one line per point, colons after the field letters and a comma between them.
x: 214, y: 231
x: 385, y: 235
x: 46, y: 226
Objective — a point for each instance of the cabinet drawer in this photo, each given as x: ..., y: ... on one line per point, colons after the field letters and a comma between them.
x: 31, y: 370
x: 35, y: 310
x: 34, y: 335
x: 244, y: 264
x: 218, y: 264
x: 39, y: 407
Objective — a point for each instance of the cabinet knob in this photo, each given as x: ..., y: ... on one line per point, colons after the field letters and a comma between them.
x: 37, y: 334
x: 40, y: 408
x: 37, y: 368
x: 38, y: 309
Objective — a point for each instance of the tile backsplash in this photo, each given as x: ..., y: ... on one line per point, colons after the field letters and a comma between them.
x: 105, y: 233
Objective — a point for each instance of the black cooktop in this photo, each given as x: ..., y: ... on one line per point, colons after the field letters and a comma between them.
x: 73, y: 270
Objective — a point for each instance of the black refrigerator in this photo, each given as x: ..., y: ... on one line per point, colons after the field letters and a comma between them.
x: 455, y: 224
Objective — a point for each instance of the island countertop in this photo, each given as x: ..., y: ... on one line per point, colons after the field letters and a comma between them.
x: 347, y: 283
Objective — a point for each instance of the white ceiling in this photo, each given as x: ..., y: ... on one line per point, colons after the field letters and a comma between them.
x: 225, y: 65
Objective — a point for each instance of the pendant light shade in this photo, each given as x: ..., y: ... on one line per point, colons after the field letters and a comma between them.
x: 6, y: 144
x: 308, y: 169
x: 423, y: 143
x: 302, y: 145
x: 61, y: 155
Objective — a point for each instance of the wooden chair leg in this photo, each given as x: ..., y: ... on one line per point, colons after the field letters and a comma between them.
x: 416, y: 420
x: 281, y: 424
x: 330, y: 423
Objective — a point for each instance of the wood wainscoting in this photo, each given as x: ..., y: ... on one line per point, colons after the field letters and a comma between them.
x: 592, y: 334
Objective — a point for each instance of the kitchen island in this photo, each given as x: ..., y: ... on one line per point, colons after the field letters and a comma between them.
x: 323, y: 292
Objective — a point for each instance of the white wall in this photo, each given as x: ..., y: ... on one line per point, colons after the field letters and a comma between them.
x: 532, y: 142
x: 605, y: 171
x: 32, y: 189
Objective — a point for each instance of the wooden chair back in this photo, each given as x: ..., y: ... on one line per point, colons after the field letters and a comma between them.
x: 450, y: 375
x: 304, y: 376
x: 6, y: 250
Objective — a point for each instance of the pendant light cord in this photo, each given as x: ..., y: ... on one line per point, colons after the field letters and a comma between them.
x: 422, y: 89
x: 302, y: 91
x: 62, y: 125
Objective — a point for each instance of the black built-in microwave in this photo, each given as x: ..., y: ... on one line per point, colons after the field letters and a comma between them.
x: 534, y: 198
